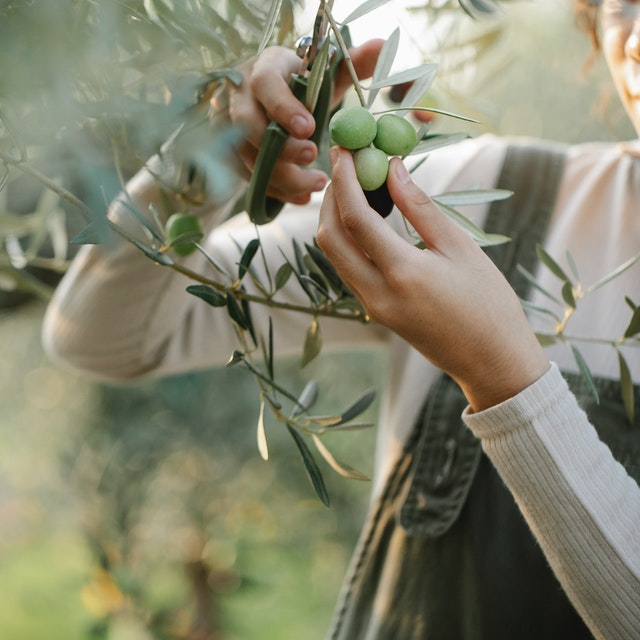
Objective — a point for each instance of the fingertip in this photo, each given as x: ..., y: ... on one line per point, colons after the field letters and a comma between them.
x: 400, y: 171
x: 301, y: 125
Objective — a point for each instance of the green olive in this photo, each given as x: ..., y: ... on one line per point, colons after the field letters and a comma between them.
x: 182, y: 231
x: 395, y: 135
x: 372, y: 166
x: 353, y: 127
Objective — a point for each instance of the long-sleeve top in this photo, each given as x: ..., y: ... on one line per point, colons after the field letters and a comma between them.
x: 117, y: 315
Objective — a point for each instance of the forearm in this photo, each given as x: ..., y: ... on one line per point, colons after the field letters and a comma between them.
x: 104, y: 316
x: 581, y: 505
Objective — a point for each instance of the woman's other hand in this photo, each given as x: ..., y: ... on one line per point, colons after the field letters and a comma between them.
x: 449, y: 301
x: 265, y: 95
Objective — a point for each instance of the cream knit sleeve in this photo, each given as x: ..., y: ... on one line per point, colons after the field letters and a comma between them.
x: 580, y: 503
x: 118, y: 315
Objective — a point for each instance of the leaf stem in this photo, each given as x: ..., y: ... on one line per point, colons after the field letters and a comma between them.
x: 347, y: 57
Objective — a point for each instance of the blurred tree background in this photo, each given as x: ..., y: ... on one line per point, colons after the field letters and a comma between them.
x: 145, y: 511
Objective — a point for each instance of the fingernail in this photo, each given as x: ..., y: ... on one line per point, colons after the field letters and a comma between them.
x: 402, y: 174
x: 307, y: 156
x: 299, y: 126
x: 333, y: 155
x: 321, y: 183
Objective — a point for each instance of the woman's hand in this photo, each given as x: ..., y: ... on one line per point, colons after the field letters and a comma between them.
x: 449, y: 301
x: 265, y: 96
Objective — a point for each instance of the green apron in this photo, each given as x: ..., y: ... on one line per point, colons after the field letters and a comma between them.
x: 445, y: 553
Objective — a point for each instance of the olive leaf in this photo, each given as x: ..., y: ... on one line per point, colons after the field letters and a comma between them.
x: 530, y: 278
x: 326, y: 268
x: 311, y: 466
x: 208, y: 293
x: 528, y: 306
x: 312, y: 343
x: 615, y: 273
x: 568, y: 294
x: 428, y: 70
x: 154, y: 254
x: 472, y: 196
x: 585, y: 372
x: 247, y: 256
x: 633, y: 328
x: 270, y: 25
x: 483, y: 238
x: 385, y: 62
x: 363, y: 9
x: 96, y: 232
x: 235, y: 311
x: 283, y: 274
x: 261, y: 435
x: 546, y: 339
x: 317, y: 76
x: 627, y: 388
x: 432, y: 141
x: 551, y: 264
x: 306, y: 399
x: 340, y: 467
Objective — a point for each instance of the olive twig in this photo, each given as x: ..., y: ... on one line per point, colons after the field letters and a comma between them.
x: 347, y: 57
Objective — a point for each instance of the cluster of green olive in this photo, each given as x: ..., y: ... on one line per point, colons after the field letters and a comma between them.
x: 372, y: 141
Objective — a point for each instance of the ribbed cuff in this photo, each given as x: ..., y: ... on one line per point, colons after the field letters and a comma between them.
x: 522, y: 409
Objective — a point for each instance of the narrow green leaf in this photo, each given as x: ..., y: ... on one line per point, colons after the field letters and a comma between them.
x: 247, y: 256
x: 407, y: 75
x: 420, y: 87
x: 283, y: 274
x: 310, y: 466
x: 208, y: 294
x: 448, y: 114
x: 633, y: 328
x: 235, y: 311
x: 483, y: 238
x: 261, y: 435
x: 327, y: 269
x: 246, y: 312
x: 568, y: 295
x: 551, y: 264
x: 319, y: 283
x: 358, y: 407
x: 306, y: 399
x: 268, y: 353
x: 338, y: 466
x: 630, y: 303
x: 235, y: 358
x: 270, y: 25
x: 317, y: 76
x: 436, y: 141
x: 312, y: 343
x: 585, y: 372
x: 615, y: 273
x: 351, y: 426
x: 528, y: 306
x: 363, y: 9
x: 547, y: 339
x: 384, y: 64
x: 534, y: 283
x: 472, y: 196
x: 626, y: 384
x: 572, y: 266
x: 154, y: 254
x: 94, y: 233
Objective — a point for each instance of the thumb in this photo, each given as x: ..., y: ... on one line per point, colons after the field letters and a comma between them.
x: 424, y: 215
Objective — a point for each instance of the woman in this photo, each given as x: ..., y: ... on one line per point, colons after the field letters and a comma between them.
x: 522, y: 520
